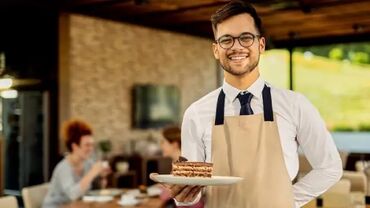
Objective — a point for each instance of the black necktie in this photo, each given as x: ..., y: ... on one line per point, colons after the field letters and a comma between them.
x: 245, y: 102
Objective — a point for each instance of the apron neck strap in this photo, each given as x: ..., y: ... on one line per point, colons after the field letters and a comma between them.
x: 267, y: 106
x: 220, y: 108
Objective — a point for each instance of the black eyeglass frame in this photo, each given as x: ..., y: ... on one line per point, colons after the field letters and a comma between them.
x: 254, y: 36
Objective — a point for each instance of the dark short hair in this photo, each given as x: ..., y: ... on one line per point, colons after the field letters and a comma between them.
x: 173, y: 135
x: 233, y: 8
x: 74, y: 130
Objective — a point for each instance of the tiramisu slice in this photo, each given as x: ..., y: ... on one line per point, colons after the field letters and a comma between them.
x: 191, y: 169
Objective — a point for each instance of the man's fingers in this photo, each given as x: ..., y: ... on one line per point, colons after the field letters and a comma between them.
x: 180, y: 197
x: 176, y: 190
x: 194, y: 193
x: 186, y: 194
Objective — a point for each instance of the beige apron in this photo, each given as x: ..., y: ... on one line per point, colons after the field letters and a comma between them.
x: 249, y: 146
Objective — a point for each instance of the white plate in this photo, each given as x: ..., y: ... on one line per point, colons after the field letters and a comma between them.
x: 105, y: 192
x: 97, y: 198
x: 214, y: 181
x: 154, y: 191
x: 128, y: 203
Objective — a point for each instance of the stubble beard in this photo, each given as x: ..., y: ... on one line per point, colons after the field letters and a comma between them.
x: 246, y: 70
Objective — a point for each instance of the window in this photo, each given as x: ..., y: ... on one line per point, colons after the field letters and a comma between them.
x: 274, y: 67
x: 336, y: 79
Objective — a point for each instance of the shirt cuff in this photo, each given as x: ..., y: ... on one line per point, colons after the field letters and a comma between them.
x: 186, y: 204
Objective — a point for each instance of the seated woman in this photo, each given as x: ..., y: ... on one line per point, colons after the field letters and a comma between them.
x: 74, y: 175
x: 171, y: 144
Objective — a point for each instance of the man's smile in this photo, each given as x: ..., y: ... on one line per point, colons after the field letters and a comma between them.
x: 238, y: 57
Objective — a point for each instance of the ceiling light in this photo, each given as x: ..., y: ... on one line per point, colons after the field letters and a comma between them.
x: 6, y: 83
x: 9, y: 94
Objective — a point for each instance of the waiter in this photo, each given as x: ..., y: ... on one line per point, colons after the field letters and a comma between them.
x: 251, y: 129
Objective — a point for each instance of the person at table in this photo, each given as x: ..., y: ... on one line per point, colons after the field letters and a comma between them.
x: 171, y: 142
x: 171, y: 147
x: 251, y: 129
x: 75, y: 174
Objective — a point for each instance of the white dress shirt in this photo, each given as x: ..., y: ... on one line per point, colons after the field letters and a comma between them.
x: 299, y: 124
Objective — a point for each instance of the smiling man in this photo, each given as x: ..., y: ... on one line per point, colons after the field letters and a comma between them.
x: 250, y: 129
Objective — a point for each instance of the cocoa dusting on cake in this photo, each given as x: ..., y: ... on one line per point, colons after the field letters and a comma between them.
x: 182, y: 159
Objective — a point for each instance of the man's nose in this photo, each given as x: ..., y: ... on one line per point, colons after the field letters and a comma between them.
x: 236, y: 44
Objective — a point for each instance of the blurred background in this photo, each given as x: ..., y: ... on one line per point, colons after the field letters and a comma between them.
x: 132, y: 67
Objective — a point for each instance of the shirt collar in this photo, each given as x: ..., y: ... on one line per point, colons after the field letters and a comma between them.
x: 232, y: 92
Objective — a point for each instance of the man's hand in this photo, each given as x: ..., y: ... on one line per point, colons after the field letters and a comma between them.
x: 182, y: 193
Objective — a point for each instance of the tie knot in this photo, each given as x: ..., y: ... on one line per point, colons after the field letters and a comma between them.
x: 245, y: 98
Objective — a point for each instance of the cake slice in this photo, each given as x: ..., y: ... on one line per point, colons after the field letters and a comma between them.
x: 192, y: 169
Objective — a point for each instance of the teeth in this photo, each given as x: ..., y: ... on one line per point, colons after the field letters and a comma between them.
x: 237, y: 57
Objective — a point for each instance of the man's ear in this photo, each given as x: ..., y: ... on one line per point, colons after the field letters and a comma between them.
x: 262, y: 44
x: 215, y: 51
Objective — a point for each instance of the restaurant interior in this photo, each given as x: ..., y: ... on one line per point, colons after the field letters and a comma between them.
x: 130, y: 68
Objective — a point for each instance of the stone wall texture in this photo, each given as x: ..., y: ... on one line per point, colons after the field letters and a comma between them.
x: 101, y: 60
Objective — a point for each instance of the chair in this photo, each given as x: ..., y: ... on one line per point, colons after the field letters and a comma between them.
x: 8, y: 202
x: 338, y: 195
x: 33, y: 196
x: 358, y: 180
x: 337, y: 200
x: 367, y: 173
x: 364, y: 166
x: 343, y: 186
x: 360, y: 165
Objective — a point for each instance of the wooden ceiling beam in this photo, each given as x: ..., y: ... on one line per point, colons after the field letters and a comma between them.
x: 201, y: 14
x: 77, y: 5
x: 302, y: 34
x: 319, y: 20
x: 160, y: 12
x: 322, y: 24
x: 280, y: 17
x: 323, y: 18
x: 153, y: 8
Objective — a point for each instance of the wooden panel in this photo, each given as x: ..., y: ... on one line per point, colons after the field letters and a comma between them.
x: 307, y: 18
x: 280, y: 18
x: 323, y: 25
x: 344, y: 31
x: 199, y: 14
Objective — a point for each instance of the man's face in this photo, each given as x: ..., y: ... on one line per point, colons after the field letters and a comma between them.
x: 238, y: 60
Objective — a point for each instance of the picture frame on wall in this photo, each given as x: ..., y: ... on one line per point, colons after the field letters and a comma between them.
x: 155, y: 106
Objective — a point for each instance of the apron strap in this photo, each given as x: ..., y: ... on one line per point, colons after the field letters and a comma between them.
x: 267, y: 106
x: 220, y: 109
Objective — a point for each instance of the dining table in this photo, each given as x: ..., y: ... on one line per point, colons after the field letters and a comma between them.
x: 153, y: 202
x: 156, y: 202
x: 145, y: 201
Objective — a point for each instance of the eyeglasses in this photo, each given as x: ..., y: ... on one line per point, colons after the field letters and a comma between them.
x: 245, y: 39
